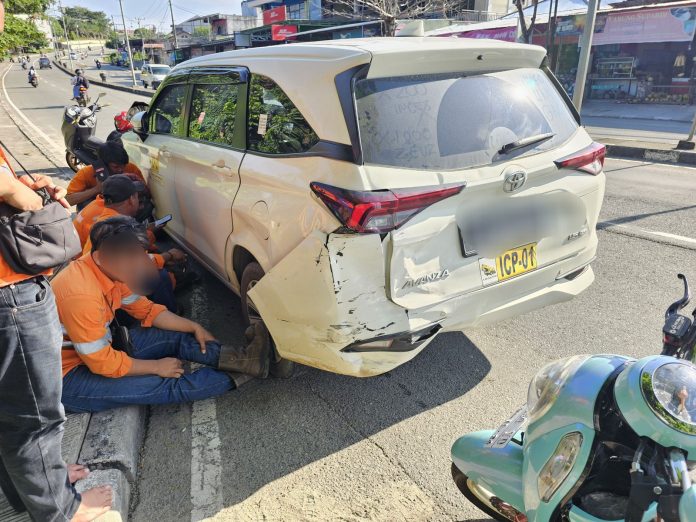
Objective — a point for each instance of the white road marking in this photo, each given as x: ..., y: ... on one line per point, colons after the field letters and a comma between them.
x: 58, y: 148
x: 646, y: 232
x: 206, y: 461
x: 646, y: 162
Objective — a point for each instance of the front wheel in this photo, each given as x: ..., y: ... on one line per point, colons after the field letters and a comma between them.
x: 73, y: 162
x: 485, y: 500
x: 281, y: 368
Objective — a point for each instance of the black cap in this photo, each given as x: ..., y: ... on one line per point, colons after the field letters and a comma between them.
x: 118, y: 188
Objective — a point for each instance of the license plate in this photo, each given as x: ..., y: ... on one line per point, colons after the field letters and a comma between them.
x: 516, y: 261
x: 506, y: 432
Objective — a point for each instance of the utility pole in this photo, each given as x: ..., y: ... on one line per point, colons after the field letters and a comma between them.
x: 176, y: 43
x: 65, y: 32
x: 585, y: 49
x: 128, y: 47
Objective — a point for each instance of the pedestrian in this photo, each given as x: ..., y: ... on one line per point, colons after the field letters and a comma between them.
x: 33, y: 475
x: 147, y: 368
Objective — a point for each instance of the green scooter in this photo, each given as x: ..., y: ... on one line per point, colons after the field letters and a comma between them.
x: 601, y: 438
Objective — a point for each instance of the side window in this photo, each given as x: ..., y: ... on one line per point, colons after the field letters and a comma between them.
x: 275, y: 124
x: 213, y: 113
x: 168, y: 111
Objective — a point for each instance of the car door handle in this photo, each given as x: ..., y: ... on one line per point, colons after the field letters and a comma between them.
x: 165, y: 153
x: 220, y: 165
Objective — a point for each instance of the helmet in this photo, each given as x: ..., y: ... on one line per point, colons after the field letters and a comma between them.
x: 122, y: 123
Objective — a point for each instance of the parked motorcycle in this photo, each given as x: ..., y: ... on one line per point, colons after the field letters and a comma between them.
x: 602, y: 437
x: 79, y: 127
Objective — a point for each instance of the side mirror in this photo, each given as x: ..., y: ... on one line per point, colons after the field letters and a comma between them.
x: 139, y: 122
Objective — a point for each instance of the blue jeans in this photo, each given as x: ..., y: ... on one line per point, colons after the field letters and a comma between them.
x: 86, y: 391
x: 32, y: 472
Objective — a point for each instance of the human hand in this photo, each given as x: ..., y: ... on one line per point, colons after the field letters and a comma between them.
x: 176, y: 256
x: 202, y: 336
x: 41, y: 181
x: 169, y: 367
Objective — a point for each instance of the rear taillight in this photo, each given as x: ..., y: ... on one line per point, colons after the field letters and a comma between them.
x: 590, y: 159
x: 380, y: 211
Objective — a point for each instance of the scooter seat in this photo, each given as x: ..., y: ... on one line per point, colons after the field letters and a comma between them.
x: 94, y: 143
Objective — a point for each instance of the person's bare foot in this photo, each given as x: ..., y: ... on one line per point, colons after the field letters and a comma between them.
x: 77, y: 472
x: 95, y: 502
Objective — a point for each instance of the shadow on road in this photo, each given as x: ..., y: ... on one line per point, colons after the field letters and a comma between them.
x: 637, y: 217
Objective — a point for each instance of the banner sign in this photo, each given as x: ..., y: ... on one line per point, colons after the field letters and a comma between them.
x: 282, y: 32
x: 575, y: 25
x: 272, y: 16
x: 675, y: 24
x: 507, y: 34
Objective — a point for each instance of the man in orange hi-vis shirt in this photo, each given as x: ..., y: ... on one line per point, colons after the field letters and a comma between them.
x: 33, y: 475
x: 116, y: 275
x: 87, y: 182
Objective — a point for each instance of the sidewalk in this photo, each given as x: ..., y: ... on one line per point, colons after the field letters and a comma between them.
x: 108, y: 442
x: 638, y: 111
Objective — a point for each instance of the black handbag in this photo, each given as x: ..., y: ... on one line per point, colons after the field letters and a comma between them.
x: 37, y: 240
x: 34, y: 241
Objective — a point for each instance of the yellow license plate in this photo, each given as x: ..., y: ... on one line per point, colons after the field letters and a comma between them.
x: 516, y: 261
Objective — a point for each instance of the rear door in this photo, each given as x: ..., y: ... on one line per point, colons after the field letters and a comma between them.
x: 207, y: 174
x: 517, y: 210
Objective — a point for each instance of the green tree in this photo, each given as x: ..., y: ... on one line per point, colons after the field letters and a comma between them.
x: 201, y: 31
x: 82, y: 22
x: 20, y: 33
x: 144, y: 33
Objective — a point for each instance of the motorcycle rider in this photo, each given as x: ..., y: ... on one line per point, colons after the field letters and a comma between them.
x: 79, y: 81
x: 96, y: 61
x: 31, y: 74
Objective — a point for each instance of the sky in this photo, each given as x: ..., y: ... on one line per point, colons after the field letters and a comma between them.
x: 156, y: 12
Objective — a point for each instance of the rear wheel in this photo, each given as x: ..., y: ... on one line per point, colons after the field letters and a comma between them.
x: 73, y: 162
x: 485, y: 500
x: 252, y: 274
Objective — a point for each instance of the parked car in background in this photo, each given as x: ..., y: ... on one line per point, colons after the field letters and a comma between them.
x: 45, y: 63
x: 153, y: 74
x: 363, y: 196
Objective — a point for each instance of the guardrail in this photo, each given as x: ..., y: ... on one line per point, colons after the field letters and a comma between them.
x: 132, y: 90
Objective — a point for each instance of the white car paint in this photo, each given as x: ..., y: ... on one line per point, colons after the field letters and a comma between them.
x: 153, y: 74
x: 333, y: 298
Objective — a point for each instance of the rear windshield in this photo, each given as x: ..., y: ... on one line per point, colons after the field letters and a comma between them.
x: 444, y: 122
x: 160, y: 70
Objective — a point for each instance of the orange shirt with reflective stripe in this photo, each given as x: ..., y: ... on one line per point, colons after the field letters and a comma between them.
x: 86, y: 178
x: 7, y: 275
x: 87, y: 299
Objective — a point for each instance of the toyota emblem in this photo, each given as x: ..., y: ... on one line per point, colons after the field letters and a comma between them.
x: 514, y: 180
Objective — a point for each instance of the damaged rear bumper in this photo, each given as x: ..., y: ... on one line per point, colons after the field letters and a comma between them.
x: 326, y: 304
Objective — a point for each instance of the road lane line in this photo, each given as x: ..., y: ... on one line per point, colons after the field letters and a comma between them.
x: 650, y: 235
x: 206, y: 461
x: 58, y: 148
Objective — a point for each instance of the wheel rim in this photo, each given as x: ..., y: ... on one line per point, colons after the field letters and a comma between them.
x: 494, y: 503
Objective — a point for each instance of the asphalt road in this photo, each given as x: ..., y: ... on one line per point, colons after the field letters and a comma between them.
x: 325, y: 447
x: 44, y: 105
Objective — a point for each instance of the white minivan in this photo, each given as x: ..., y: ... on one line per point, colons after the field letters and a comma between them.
x: 362, y: 196
x: 153, y: 74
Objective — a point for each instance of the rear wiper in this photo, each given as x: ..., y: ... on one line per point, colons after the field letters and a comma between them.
x: 525, y: 142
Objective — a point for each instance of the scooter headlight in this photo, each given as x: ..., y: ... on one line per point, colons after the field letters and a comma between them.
x: 559, y: 466
x: 548, y: 383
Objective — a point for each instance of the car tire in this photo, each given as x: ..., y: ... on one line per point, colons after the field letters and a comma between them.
x: 73, y: 162
x: 252, y: 274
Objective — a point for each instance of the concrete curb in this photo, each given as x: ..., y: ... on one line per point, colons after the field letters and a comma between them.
x: 111, y: 449
x: 621, y: 117
x: 655, y: 155
x: 132, y: 90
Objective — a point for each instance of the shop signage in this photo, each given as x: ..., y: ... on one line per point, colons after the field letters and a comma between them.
x: 275, y: 15
x: 675, y: 24
x: 507, y: 34
x: 282, y: 32
x: 575, y: 25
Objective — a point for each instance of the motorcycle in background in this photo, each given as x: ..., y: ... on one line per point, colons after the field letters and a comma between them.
x: 602, y: 437
x: 79, y: 128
